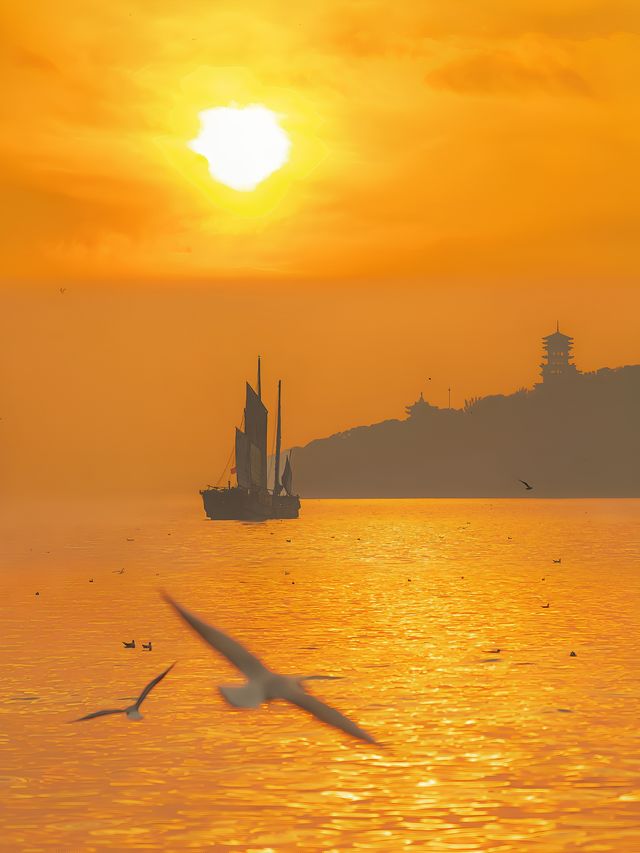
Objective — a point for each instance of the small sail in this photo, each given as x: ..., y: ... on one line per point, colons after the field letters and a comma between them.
x: 243, y: 465
x: 255, y: 427
x: 287, y: 477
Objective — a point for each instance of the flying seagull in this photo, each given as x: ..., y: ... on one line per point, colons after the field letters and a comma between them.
x: 262, y: 684
x: 526, y: 485
x: 133, y: 711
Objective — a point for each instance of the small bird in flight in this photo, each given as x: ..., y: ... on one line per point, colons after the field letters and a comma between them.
x: 133, y: 711
x: 262, y: 684
x: 525, y: 484
x: 63, y: 290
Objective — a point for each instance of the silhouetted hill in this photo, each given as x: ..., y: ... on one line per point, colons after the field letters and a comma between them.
x: 577, y: 438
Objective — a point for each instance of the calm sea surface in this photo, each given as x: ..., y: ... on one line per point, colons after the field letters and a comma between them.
x: 525, y: 749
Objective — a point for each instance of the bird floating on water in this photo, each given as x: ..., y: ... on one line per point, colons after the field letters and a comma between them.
x: 492, y: 651
x: 130, y: 645
x: 147, y: 646
x: 133, y: 711
x: 525, y: 484
x: 262, y: 684
x: 545, y: 605
x: 573, y: 655
x: 117, y: 572
x: 558, y: 561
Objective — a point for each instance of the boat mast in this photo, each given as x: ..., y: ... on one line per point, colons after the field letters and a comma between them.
x: 259, y: 381
x: 277, y: 487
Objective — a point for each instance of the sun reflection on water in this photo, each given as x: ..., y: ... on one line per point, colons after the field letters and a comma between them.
x: 524, y: 749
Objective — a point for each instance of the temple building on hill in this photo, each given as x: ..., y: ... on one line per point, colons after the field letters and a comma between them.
x: 557, y: 364
x: 420, y: 407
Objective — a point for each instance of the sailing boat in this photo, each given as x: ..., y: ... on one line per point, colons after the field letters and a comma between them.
x: 250, y: 499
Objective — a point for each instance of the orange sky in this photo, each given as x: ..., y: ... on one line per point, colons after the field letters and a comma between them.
x: 462, y: 174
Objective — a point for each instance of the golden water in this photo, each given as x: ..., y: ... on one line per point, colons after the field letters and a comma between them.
x: 528, y: 749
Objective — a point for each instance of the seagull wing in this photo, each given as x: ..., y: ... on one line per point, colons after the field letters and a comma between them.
x: 99, y: 714
x: 236, y: 654
x: 151, y: 685
x: 328, y: 715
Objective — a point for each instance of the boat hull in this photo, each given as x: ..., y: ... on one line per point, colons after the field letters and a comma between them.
x: 238, y: 504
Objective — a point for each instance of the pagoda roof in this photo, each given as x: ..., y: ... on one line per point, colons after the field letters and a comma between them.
x: 557, y: 336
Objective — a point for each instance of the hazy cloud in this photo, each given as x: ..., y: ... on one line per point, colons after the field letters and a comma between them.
x: 501, y: 72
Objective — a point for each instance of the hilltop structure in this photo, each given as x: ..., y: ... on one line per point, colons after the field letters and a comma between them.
x: 420, y: 408
x: 557, y: 364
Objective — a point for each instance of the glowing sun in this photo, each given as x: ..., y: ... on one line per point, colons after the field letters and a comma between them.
x: 243, y: 146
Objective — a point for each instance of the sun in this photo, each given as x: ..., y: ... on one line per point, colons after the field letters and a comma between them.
x: 242, y: 145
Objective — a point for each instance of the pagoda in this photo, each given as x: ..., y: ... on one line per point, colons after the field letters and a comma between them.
x: 420, y: 407
x: 557, y: 365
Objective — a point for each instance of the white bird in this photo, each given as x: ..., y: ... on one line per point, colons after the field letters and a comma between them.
x: 262, y: 684
x: 133, y: 711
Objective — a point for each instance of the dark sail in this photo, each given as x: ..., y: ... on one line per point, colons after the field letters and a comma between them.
x: 243, y: 468
x: 287, y: 477
x: 255, y: 427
